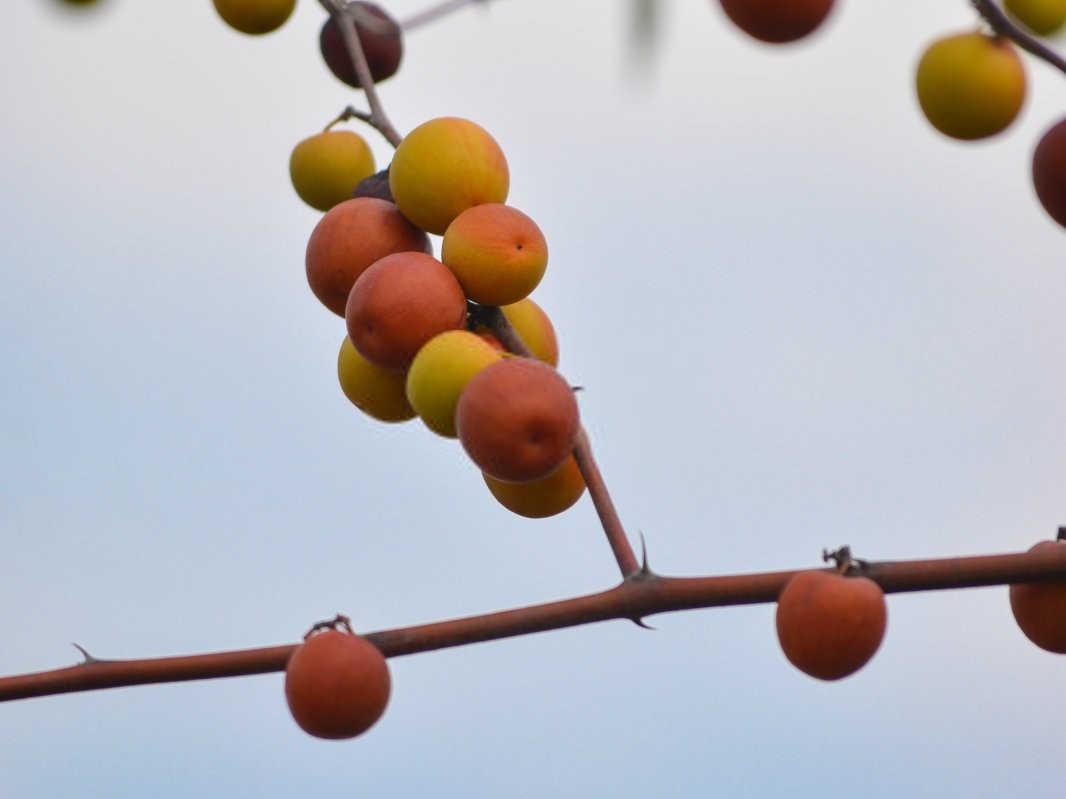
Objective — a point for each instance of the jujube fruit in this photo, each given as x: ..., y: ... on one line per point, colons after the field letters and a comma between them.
x: 830, y: 625
x: 533, y: 326
x: 1042, y: 17
x: 1040, y: 608
x: 381, y: 40
x: 255, y: 16
x: 326, y: 168
x: 539, y: 499
x: 518, y: 420
x: 777, y: 21
x: 400, y: 303
x: 337, y: 684
x: 440, y: 372
x: 498, y: 253
x: 348, y: 239
x: 970, y: 85
x: 1049, y: 171
x: 443, y: 167
x: 378, y: 392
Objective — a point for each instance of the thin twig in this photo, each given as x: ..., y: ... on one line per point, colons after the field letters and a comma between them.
x: 435, y: 12
x: 634, y: 598
x: 1002, y: 24
x: 351, y: 112
x: 343, y: 16
x: 493, y: 318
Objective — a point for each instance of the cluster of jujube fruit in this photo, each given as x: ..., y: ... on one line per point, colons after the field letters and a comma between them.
x: 970, y: 85
x: 413, y: 349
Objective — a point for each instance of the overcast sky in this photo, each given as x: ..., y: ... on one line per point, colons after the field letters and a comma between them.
x: 802, y: 317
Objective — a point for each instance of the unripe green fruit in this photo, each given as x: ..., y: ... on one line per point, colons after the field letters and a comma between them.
x: 326, y: 168
x: 255, y: 16
x: 970, y: 86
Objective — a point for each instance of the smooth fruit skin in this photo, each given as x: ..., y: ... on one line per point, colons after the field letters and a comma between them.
x: 440, y: 372
x: 351, y: 237
x: 1042, y: 17
x: 337, y: 685
x: 382, y: 45
x: 498, y: 253
x: 443, y: 167
x: 400, y: 303
x: 1049, y: 172
x: 255, y: 16
x: 539, y: 499
x: 829, y: 625
x: 326, y: 168
x: 377, y: 392
x: 1040, y: 608
x: 777, y: 21
x: 518, y: 420
x: 970, y: 86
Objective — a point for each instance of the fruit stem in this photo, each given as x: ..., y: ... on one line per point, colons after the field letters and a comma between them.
x: 343, y: 14
x: 1002, y: 25
x: 493, y: 318
x: 351, y: 112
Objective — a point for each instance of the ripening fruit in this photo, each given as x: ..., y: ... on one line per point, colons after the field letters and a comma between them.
x: 443, y: 167
x: 327, y: 167
x: 400, y: 303
x: 497, y: 252
x: 1042, y: 17
x: 377, y: 392
x: 337, y: 684
x: 830, y: 625
x: 539, y: 499
x: 1049, y: 171
x: 970, y: 85
x: 777, y: 21
x: 440, y: 372
x: 348, y: 239
x: 255, y: 16
x: 381, y: 39
x: 534, y: 328
x: 518, y: 420
x: 1040, y: 608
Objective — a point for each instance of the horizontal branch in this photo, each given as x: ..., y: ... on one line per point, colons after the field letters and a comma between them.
x: 640, y: 595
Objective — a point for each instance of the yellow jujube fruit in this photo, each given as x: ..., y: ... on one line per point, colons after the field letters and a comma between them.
x: 375, y: 391
x: 970, y: 85
x: 326, y: 167
x: 255, y: 16
x: 440, y: 372
x: 1042, y: 17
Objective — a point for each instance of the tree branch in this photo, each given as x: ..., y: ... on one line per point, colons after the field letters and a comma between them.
x: 640, y: 595
x: 343, y: 15
x: 1002, y: 24
x: 435, y: 12
x: 494, y: 319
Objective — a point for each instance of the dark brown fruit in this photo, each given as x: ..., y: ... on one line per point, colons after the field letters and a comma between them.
x: 348, y: 239
x: 777, y: 21
x: 1040, y: 608
x: 382, y: 43
x: 400, y: 303
x: 337, y: 685
x: 1049, y: 172
x: 829, y: 625
x: 518, y: 420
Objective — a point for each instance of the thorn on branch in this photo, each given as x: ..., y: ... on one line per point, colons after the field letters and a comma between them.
x: 639, y: 621
x: 87, y: 658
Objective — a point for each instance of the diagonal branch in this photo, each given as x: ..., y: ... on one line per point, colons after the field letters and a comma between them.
x: 1002, y: 24
x: 636, y: 597
x: 493, y: 318
x: 437, y: 11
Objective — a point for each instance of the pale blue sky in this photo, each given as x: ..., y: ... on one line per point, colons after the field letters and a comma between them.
x: 803, y: 319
